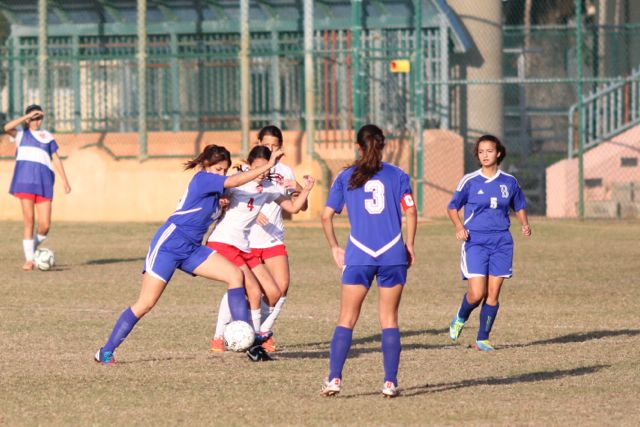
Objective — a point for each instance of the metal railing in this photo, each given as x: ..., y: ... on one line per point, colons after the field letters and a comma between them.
x: 607, y: 111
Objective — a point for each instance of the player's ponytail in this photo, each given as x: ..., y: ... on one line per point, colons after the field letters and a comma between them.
x: 211, y: 155
x: 371, y: 142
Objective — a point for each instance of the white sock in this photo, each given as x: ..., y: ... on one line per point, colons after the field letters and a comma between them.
x: 39, y: 239
x: 265, y: 310
x: 255, y: 318
x: 27, y: 247
x: 267, y: 325
x: 224, y: 317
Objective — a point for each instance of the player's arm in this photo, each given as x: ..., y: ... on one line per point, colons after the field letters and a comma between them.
x: 244, y: 177
x: 461, y: 232
x: 296, y: 204
x: 57, y: 164
x: 329, y: 233
x: 411, y: 213
x: 10, y: 127
x: 524, y: 222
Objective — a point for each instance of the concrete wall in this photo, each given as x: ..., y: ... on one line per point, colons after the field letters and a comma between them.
x: 602, y: 162
x: 107, y: 189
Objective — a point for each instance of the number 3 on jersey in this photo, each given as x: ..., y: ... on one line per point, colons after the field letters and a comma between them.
x: 374, y: 205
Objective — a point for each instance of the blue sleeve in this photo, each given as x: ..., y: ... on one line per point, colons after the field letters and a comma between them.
x: 405, y: 184
x: 518, y: 201
x: 209, y: 183
x: 335, y: 200
x: 459, y: 198
x: 54, y: 146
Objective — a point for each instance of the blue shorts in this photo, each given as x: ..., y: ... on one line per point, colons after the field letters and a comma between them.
x: 487, y: 254
x: 170, y: 250
x: 387, y: 275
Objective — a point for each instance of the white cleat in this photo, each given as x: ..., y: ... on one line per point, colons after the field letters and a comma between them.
x: 331, y: 388
x: 389, y: 389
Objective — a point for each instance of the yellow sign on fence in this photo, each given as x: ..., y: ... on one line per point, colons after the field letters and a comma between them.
x: 400, y: 66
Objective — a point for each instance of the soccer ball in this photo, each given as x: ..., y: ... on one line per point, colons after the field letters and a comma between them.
x: 43, y: 259
x: 238, y: 335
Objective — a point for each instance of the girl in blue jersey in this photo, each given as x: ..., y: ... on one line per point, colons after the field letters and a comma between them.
x: 178, y: 244
x: 486, y: 195
x: 375, y: 193
x: 33, y: 177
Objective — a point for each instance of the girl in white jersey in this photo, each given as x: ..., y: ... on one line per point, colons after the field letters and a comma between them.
x: 231, y: 239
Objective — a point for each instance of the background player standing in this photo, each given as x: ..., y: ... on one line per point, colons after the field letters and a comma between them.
x: 374, y: 193
x: 486, y: 257
x: 33, y: 176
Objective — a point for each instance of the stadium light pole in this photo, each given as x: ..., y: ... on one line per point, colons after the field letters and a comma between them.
x: 244, y: 75
x: 579, y: 42
x: 309, y: 79
x: 42, y: 52
x: 142, y: 79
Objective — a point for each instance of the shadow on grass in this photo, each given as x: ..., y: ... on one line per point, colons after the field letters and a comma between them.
x: 113, y: 260
x: 578, y: 337
x: 376, y: 338
x: 356, y: 352
x: 530, y: 377
x: 155, y: 359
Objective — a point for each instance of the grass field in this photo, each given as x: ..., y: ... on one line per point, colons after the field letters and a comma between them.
x: 568, y: 335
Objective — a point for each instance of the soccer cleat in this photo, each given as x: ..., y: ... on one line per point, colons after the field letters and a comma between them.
x: 269, y: 345
x: 27, y: 266
x: 257, y: 354
x: 217, y: 345
x: 262, y: 337
x: 484, y: 345
x: 389, y: 389
x: 331, y: 388
x: 105, y: 357
x: 455, y: 328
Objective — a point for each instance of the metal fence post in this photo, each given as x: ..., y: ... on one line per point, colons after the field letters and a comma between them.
x: 419, y: 104
x: 356, y: 47
x: 309, y: 81
x: 579, y: 43
x: 142, y: 79
x: 42, y: 53
x: 245, y: 83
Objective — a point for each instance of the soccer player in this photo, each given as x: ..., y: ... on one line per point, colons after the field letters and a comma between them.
x: 231, y: 239
x: 178, y: 243
x: 486, y: 195
x: 34, y: 176
x: 267, y: 234
x: 375, y: 194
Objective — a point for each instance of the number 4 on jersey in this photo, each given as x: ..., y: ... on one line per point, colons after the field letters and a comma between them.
x: 250, y: 204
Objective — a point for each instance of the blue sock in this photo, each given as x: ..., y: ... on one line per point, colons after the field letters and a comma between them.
x: 488, y: 315
x: 340, y: 345
x: 391, y: 353
x: 238, y: 304
x: 121, y: 329
x: 465, y: 308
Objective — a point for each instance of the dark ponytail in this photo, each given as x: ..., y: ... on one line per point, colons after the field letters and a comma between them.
x: 371, y: 141
x: 211, y: 155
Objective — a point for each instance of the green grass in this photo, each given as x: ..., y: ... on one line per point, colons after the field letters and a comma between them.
x: 568, y: 337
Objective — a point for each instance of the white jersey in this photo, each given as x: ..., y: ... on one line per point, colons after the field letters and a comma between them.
x: 244, y: 206
x: 272, y: 234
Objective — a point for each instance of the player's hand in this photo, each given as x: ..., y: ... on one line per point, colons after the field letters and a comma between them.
x: 34, y: 115
x: 275, y: 156
x: 526, y: 230
x: 224, y: 202
x: 67, y: 188
x: 462, y: 234
x: 262, y: 219
x: 308, y: 182
x: 411, y: 256
x: 338, y: 256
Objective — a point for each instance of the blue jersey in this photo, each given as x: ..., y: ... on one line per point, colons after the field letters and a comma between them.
x: 199, y: 206
x: 33, y: 173
x: 487, y: 201
x: 375, y: 216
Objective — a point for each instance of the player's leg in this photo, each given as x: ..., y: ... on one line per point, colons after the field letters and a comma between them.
x: 276, y: 261
x: 28, y: 218
x: 356, y: 281
x: 150, y: 292
x: 43, y: 209
x: 391, y: 280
